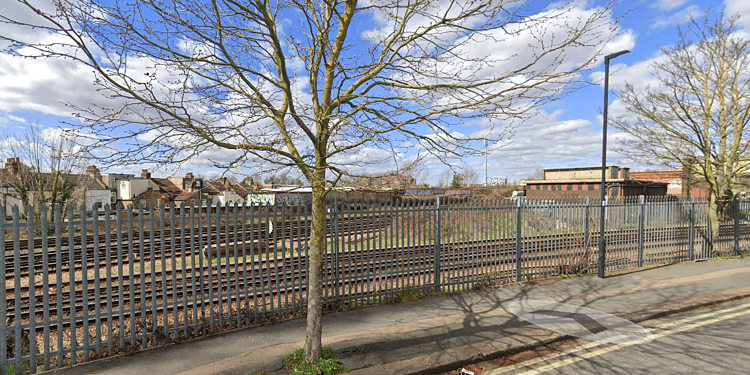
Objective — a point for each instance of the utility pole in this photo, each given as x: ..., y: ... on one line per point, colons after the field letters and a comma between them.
x: 486, y: 176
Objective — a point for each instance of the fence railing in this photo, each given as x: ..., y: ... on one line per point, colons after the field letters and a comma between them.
x: 80, y: 286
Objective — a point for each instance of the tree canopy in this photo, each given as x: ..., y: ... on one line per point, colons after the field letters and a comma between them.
x: 697, y: 115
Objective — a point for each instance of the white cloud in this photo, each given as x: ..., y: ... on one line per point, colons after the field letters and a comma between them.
x: 547, y: 141
x: 741, y: 8
x: 678, y: 18
x: 625, y: 41
x: 43, y: 85
x: 668, y: 4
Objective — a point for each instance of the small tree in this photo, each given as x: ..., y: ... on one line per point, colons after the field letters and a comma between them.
x: 698, y: 115
x: 319, y: 86
x: 458, y: 181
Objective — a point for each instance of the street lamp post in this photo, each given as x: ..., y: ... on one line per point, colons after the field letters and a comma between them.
x: 602, y: 242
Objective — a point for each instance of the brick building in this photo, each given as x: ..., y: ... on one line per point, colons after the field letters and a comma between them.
x: 586, y: 182
x: 679, y: 181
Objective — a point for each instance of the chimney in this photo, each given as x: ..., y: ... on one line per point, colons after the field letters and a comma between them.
x: 226, y: 182
x: 145, y: 174
x: 187, y: 182
x: 93, y: 172
x: 12, y: 165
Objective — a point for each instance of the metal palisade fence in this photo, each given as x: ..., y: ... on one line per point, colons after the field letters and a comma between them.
x: 81, y: 285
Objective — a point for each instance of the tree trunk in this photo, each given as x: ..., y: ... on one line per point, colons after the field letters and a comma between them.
x: 718, y: 204
x: 313, y: 340
x: 714, y: 215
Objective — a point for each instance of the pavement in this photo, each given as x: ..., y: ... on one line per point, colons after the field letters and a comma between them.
x: 443, y: 332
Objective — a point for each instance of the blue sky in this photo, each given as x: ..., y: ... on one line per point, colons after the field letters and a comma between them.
x: 566, y: 133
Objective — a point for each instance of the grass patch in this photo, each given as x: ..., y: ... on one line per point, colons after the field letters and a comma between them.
x: 328, y: 364
x: 363, y: 350
x: 732, y: 256
x: 408, y: 295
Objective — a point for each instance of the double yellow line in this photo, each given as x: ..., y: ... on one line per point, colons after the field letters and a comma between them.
x: 663, y: 330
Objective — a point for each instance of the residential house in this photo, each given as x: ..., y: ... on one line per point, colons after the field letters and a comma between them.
x: 90, y: 190
x: 229, y: 192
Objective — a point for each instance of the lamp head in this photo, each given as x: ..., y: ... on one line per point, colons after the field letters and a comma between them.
x: 613, y: 55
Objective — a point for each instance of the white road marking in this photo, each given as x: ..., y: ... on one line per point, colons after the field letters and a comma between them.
x: 582, y: 322
x: 658, y: 332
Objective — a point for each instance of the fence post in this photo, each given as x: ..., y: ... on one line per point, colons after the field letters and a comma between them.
x: 586, y: 233
x: 438, y: 245
x: 641, y: 222
x: 691, y: 231
x: 518, y: 240
x: 736, y: 204
x: 337, y: 243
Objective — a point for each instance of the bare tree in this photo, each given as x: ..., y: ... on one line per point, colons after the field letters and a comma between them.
x: 282, y: 178
x: 445, y: 177
x: 421, y: 176
x: 191, y: 77
x: 698, y: 114
x: 470, y: 176
x: 537, y: 175
x: 46, y: 169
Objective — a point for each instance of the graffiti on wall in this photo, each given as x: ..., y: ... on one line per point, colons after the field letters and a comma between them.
x: 293, y: 199
x: 261, y: 199
x: 419, y: 192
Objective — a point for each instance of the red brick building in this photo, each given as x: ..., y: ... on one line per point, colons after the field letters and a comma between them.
x: 678, y: 181
x: 586, y: 182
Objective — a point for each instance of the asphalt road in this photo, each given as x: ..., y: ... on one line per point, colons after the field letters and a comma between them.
x: 711, y: 340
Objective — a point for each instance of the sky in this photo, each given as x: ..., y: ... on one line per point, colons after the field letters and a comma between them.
x: 565, y: 133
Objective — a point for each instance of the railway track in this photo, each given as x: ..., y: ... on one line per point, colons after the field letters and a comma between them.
x: 272, y: 274
x: 175, y: 289
x: 145, y: 244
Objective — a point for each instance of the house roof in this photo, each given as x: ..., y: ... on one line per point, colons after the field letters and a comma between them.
x: 185, y: 196
x: 222, y: 185
x: 166, y: 186
x: 289, y: 189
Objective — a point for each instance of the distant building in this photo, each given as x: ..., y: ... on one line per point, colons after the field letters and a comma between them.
x: 679, y: 181
x: 229, y: 193
x: 387, y: 182
x: 90, y: 189
x: 586, y: 182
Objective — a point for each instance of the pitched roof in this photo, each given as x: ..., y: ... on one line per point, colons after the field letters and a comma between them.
x: 166, y: 186
x: 185, y: 196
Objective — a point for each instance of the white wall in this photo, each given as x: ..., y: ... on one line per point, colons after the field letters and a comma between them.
x: 231, y: 198
x: 130, y: 188
x: 8, y: 201
x: 97, y: 196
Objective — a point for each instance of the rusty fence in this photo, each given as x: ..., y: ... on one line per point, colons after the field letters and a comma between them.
x: 86, y: 285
